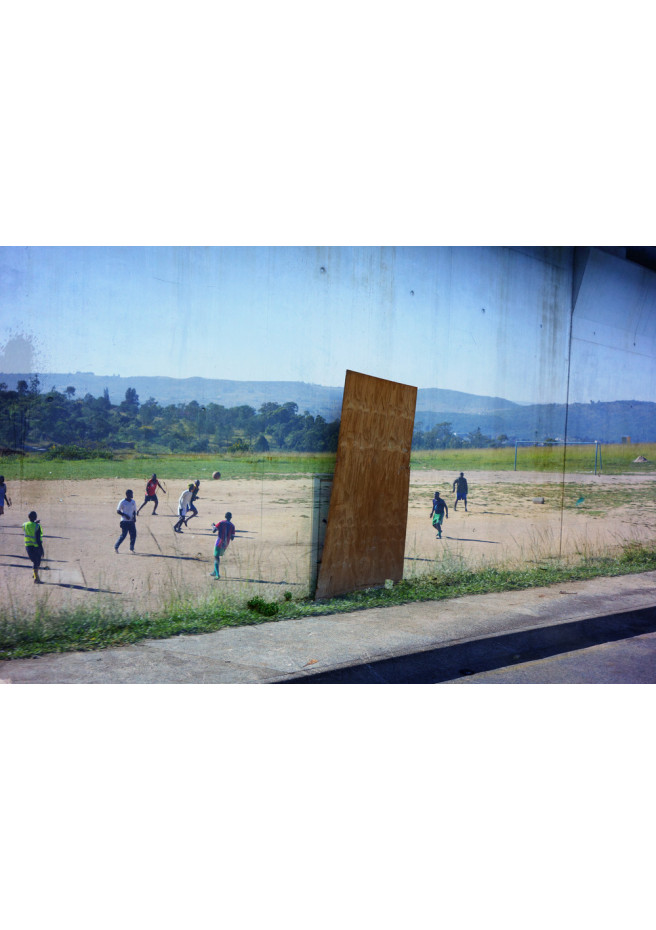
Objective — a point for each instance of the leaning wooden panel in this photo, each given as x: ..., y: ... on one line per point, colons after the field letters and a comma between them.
x: 365, y: 536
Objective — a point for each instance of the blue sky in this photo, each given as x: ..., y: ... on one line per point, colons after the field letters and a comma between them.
x: 483, y: 321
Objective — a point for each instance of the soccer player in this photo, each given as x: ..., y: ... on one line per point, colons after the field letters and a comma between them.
x: 194, y: 495
x: 151, y: 493
x: 460, y: 486
x: 183, y: 507
x: 226, y: 533
x: 127, y: 511
x: 439, y: 511
x: 34, y: 543
x: 3, y: 495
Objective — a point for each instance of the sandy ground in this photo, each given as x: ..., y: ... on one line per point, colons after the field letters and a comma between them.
x: 271, y: 553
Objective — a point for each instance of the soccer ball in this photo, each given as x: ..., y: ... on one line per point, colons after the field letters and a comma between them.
x: 216, y: 475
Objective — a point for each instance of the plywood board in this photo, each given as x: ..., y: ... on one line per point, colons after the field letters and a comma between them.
x: 365, y: 536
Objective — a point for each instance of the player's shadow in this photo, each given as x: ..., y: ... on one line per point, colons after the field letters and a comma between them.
x: 489, y: 542
x: 171, y: 516
x: 296, y: 584
x: 27, y: 559
x: 21, y: 533
x: 13, y: 565
x: 190, y: 529
x: 239, y: 533
x: 161, y: 555
x: 496, y: 513
x: 77, y: 587
x: 61, y: 584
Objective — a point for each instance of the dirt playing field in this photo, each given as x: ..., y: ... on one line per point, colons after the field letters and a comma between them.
x: 272, y: 549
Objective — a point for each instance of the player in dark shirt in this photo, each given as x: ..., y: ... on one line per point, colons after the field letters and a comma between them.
x: 226, y: 533
x: 438, y: 513
x: 460, y: 487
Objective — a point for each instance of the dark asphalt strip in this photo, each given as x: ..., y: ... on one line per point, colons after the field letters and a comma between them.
x: 455, y: 660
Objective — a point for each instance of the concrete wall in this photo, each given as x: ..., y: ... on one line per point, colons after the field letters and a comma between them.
x: 614, y: 328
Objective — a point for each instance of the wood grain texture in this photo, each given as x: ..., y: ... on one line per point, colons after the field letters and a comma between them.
x: 365, y: 536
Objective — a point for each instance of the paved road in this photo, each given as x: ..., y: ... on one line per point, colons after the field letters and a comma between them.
x: 626, y: 661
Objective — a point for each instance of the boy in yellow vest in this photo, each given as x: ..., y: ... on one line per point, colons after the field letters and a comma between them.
x: 34, y: 542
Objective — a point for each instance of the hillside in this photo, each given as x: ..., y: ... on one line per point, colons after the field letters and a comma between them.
x: 494, y: 416
x: 606, y: 422
x: 317, y: 398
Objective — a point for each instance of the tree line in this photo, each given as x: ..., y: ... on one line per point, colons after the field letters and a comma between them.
x: 62, y: 424
x: 58, y: 420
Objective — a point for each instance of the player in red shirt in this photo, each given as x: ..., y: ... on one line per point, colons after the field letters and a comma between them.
x: 151, y: 493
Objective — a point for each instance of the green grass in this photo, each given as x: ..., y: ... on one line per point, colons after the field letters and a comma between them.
x: 617, y: 459
x: 82, y: 629
x: 131, y: 466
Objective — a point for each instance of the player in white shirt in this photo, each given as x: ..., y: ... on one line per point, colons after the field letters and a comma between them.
x: 127, y: 510
x: 183, y: 507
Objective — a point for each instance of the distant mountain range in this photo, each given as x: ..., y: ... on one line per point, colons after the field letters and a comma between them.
x: 605, y: 421
x: 602, y: 421
x: 313, y: 397
x: 316, y: 398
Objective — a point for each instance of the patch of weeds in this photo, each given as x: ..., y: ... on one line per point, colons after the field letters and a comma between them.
x: 638, y: 555
x: 263, y: 607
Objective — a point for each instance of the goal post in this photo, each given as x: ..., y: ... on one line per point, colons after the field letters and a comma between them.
x: 530, y: 442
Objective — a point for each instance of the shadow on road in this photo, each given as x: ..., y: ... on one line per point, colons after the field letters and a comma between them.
x: 450, y: 662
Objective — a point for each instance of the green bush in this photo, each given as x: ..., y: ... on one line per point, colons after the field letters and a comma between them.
x: 239, y: 445
x: 81, y: 450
